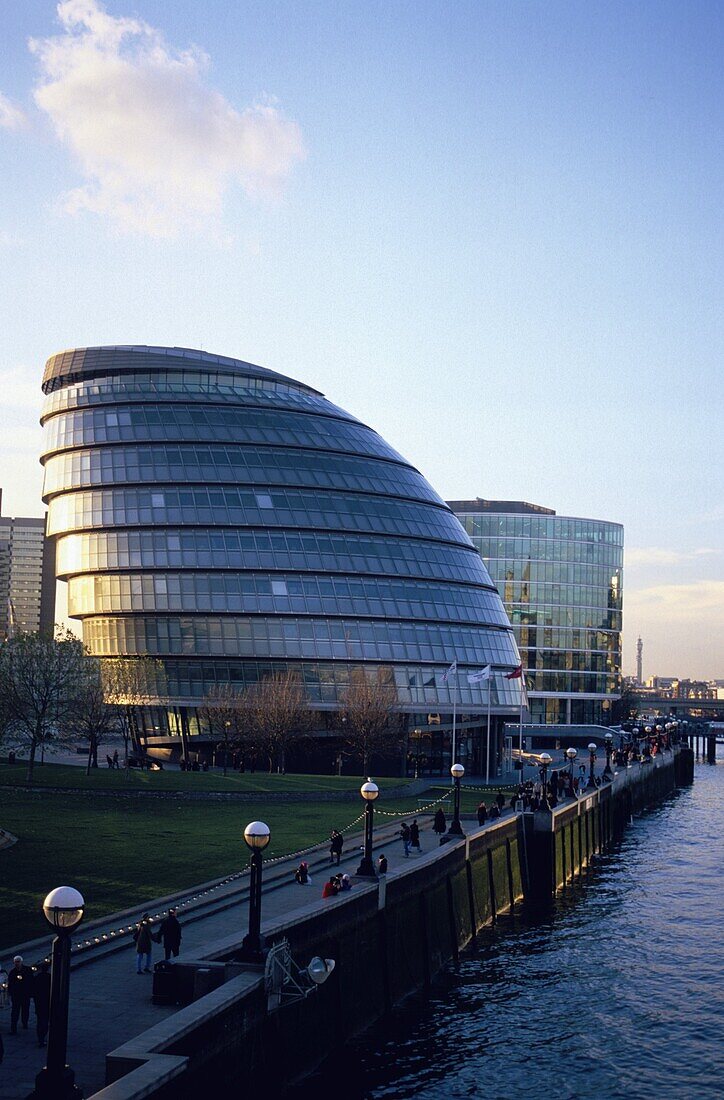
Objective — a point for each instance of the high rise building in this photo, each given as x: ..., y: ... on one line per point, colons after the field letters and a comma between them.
x: 27, y: 576
x: 231, y: 522
x: 560, y: 579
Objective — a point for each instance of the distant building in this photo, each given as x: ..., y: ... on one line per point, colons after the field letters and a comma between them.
x: 27, y: 576
x: 561, y: 582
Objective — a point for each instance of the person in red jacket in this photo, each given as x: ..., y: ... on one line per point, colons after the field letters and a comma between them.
x: 331, y: 889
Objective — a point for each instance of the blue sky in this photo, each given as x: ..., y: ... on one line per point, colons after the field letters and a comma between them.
x: 491, y: 230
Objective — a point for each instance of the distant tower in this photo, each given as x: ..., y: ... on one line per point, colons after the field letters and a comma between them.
x: 639, y: 662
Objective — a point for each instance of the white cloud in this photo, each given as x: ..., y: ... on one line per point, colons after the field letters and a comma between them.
x: 660, y: 555
x: 11, y: 116
x: 699, y: 601
x: 159, y: 148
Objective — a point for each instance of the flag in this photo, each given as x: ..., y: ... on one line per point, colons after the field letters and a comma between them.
x: 516, y: 674
x: 452, y: 671
x: 477, y: 677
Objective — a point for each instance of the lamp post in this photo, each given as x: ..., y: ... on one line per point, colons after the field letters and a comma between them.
x: 571, y: 755
x: 591, y: 762
x: 608, y: 745
x: 369, y: 792
x: 63, y: 910
x: 457, y: 771
x: 256, y: 835
x: 546, y: 760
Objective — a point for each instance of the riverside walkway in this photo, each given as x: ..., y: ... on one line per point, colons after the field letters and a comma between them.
x: 111, y: 1004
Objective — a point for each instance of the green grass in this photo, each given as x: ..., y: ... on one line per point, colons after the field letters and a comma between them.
x: 121, y: 852
x: 68, y: 775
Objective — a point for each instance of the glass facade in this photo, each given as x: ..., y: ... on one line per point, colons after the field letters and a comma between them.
x: 561, y: 583
x: 231, y: 522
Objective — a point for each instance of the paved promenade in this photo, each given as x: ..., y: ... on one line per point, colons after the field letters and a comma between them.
x: 110, y: 1003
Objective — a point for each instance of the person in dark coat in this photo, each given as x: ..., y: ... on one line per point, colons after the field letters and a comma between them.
x: 335, y: 847
x: 169, y: 933
x: 439, y: 824
x: 405, y: 836
x: 144, y: 944
x: 41, y: 1000
x: 382, y: 864
x: 20, y: 983
x: 482, y: 813
x: 494, y: 811
x: 500, y: 799
x: 415, y: 835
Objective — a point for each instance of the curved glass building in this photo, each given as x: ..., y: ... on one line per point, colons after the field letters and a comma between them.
x: 231, y: 522
x: 561, y: 582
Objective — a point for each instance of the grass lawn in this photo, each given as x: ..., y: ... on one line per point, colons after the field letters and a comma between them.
x: 68, y: 775
x: 121, y: 852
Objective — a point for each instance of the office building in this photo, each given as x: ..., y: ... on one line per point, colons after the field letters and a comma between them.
x: 231, y: 522
x: 27, y: 576
x: 560, y: 578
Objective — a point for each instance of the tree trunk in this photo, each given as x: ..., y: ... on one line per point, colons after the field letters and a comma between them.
x: 94, y: 751
x: 31, y: 761
x: 88, y: 764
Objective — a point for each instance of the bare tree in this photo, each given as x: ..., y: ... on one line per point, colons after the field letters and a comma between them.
x: 224, y: 711
x: 128, y: 683
x: 370, y: 724
x: 276, y: 713
x: 40, y: 680
x: 92, y: 718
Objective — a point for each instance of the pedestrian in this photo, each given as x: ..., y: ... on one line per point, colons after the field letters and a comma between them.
x: 169, y: 932
x: 405, y: 834
x: 345, y: 883
x: 109, y: 760
x: 482, y: 813
x: 115, y: 760
x: 20, y: 982
x: 494, y: 811
x: 382, y: 864
x: 144, y: 944
x: 500, y: 799
x: 415, y: 835
x: 41, y: 1000
x: 335, y: 847
x: 302, y: 875
x: 330, y: 889
x: 439, y: 824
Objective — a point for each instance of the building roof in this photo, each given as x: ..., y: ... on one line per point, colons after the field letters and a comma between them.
x: 519, y: 507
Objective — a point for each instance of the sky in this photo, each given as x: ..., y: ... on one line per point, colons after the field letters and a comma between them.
x: 491, y: 230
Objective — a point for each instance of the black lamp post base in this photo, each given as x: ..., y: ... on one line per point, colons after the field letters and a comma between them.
x: 251, y: 951
x: 591, y: 785
x: 366, y: 869
x: 56, y: 1086
x: 455, y: 829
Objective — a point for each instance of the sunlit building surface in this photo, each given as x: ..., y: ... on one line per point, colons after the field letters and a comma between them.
x: 27, y: 576
x: 232, y: 522
x: 561, y: 582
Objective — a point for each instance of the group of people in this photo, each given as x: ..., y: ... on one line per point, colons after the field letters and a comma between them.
x: 25, y: 986
x: 336, y: 884
x: 410, y: 836
x: 112, y: 761
x: 169, y: 934
x: 194, y: 766
x: 496, y: 808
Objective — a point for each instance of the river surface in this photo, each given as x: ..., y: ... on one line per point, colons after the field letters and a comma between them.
x: 615, y: 990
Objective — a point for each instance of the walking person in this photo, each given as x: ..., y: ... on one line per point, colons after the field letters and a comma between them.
x: 335, y: 848
x: 169, y: 933
x: 415, y: 835
x: 439, y: 824
x: 482, y: 813
x: 20, y: 981
x: 405, y: 835
x: 41, y: 1000
x: 144, y: 944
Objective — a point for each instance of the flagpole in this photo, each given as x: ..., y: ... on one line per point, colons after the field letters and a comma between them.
x: 455, y: 699
x: 487, y: 746
x: 520, y: 721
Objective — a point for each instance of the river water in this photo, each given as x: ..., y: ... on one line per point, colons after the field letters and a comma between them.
x: 615, y: 990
